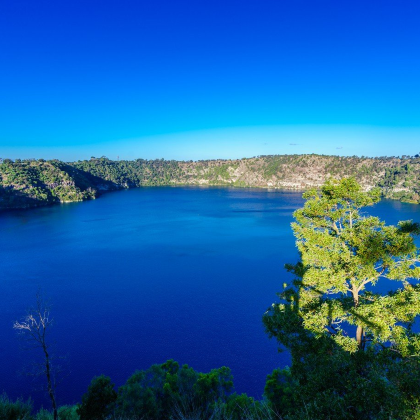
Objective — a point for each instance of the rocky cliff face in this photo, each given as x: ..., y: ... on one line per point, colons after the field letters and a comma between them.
x: 26, y: 184
x: 398, y: 178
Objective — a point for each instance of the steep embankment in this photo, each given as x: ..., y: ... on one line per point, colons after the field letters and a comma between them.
x: 397, y: 177
x: 26, y: 184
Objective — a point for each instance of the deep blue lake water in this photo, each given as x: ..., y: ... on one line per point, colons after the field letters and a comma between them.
x: 140, y: 276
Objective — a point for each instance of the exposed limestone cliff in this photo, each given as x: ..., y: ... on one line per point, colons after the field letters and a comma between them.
x: 32, y: 183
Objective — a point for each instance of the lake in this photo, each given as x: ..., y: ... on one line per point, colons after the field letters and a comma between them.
x: 144, y: 275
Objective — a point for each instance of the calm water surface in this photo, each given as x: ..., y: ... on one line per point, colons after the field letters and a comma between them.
x: 140, y: 276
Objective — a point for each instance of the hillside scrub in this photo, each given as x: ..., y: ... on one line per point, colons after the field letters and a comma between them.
x: 31, y: 183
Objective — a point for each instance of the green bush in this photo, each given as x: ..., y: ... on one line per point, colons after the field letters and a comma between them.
x: 68, y: 412
x: 15, y: 410
x: 168, y: 389
x: 43, y: 414
x: 98, y: 402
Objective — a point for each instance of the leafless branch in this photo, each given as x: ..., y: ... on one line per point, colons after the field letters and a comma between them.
x: 34, y: 326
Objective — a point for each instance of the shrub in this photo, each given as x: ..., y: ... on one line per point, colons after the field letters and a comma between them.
x: 99, y: 400
x: 15, y: 410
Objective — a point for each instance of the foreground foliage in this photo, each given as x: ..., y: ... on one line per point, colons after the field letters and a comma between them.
x: 165, y: 391
x: 354, y: 352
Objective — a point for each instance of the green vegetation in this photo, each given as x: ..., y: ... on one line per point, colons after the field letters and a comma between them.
x: 354, y: 352
x: 134, y: 173
x: 355, y: 355
x: 165, y: 391
x: 99, y: 400
x: 14, y: 410
x: 33, y: 183
x: 402, y: 182
x: 167, y: 388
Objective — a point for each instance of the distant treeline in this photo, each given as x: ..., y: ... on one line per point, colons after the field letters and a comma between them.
x: 32, y: 183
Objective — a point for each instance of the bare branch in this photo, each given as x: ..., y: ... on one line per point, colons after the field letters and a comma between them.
x: 35, y: 326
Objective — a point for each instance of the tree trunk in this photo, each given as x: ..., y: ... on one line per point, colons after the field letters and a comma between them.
x: 50, y: 384
x: 359, y: 330
x: 359, y: 337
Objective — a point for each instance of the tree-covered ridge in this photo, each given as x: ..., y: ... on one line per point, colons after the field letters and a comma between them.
x: 32, y: 183
x: 132, y: 173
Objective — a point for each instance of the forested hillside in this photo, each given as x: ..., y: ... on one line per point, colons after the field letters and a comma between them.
x: 31, y: 183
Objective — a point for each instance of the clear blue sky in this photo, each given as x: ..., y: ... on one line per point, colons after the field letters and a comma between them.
x: 206, y: 79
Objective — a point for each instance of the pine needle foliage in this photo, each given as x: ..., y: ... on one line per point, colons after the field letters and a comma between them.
x: 345, y: 256
x: 354, y: 352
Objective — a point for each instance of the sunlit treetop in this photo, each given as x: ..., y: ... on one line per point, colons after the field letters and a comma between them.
x: 344, y: 256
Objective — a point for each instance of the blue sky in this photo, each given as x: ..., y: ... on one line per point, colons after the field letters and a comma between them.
x: 197, y: 80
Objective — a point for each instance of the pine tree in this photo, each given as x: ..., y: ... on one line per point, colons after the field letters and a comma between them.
x: 354, y: 354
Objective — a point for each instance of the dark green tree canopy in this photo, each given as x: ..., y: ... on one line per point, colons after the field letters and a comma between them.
x: 170, y: 388
x: 98, y: 402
